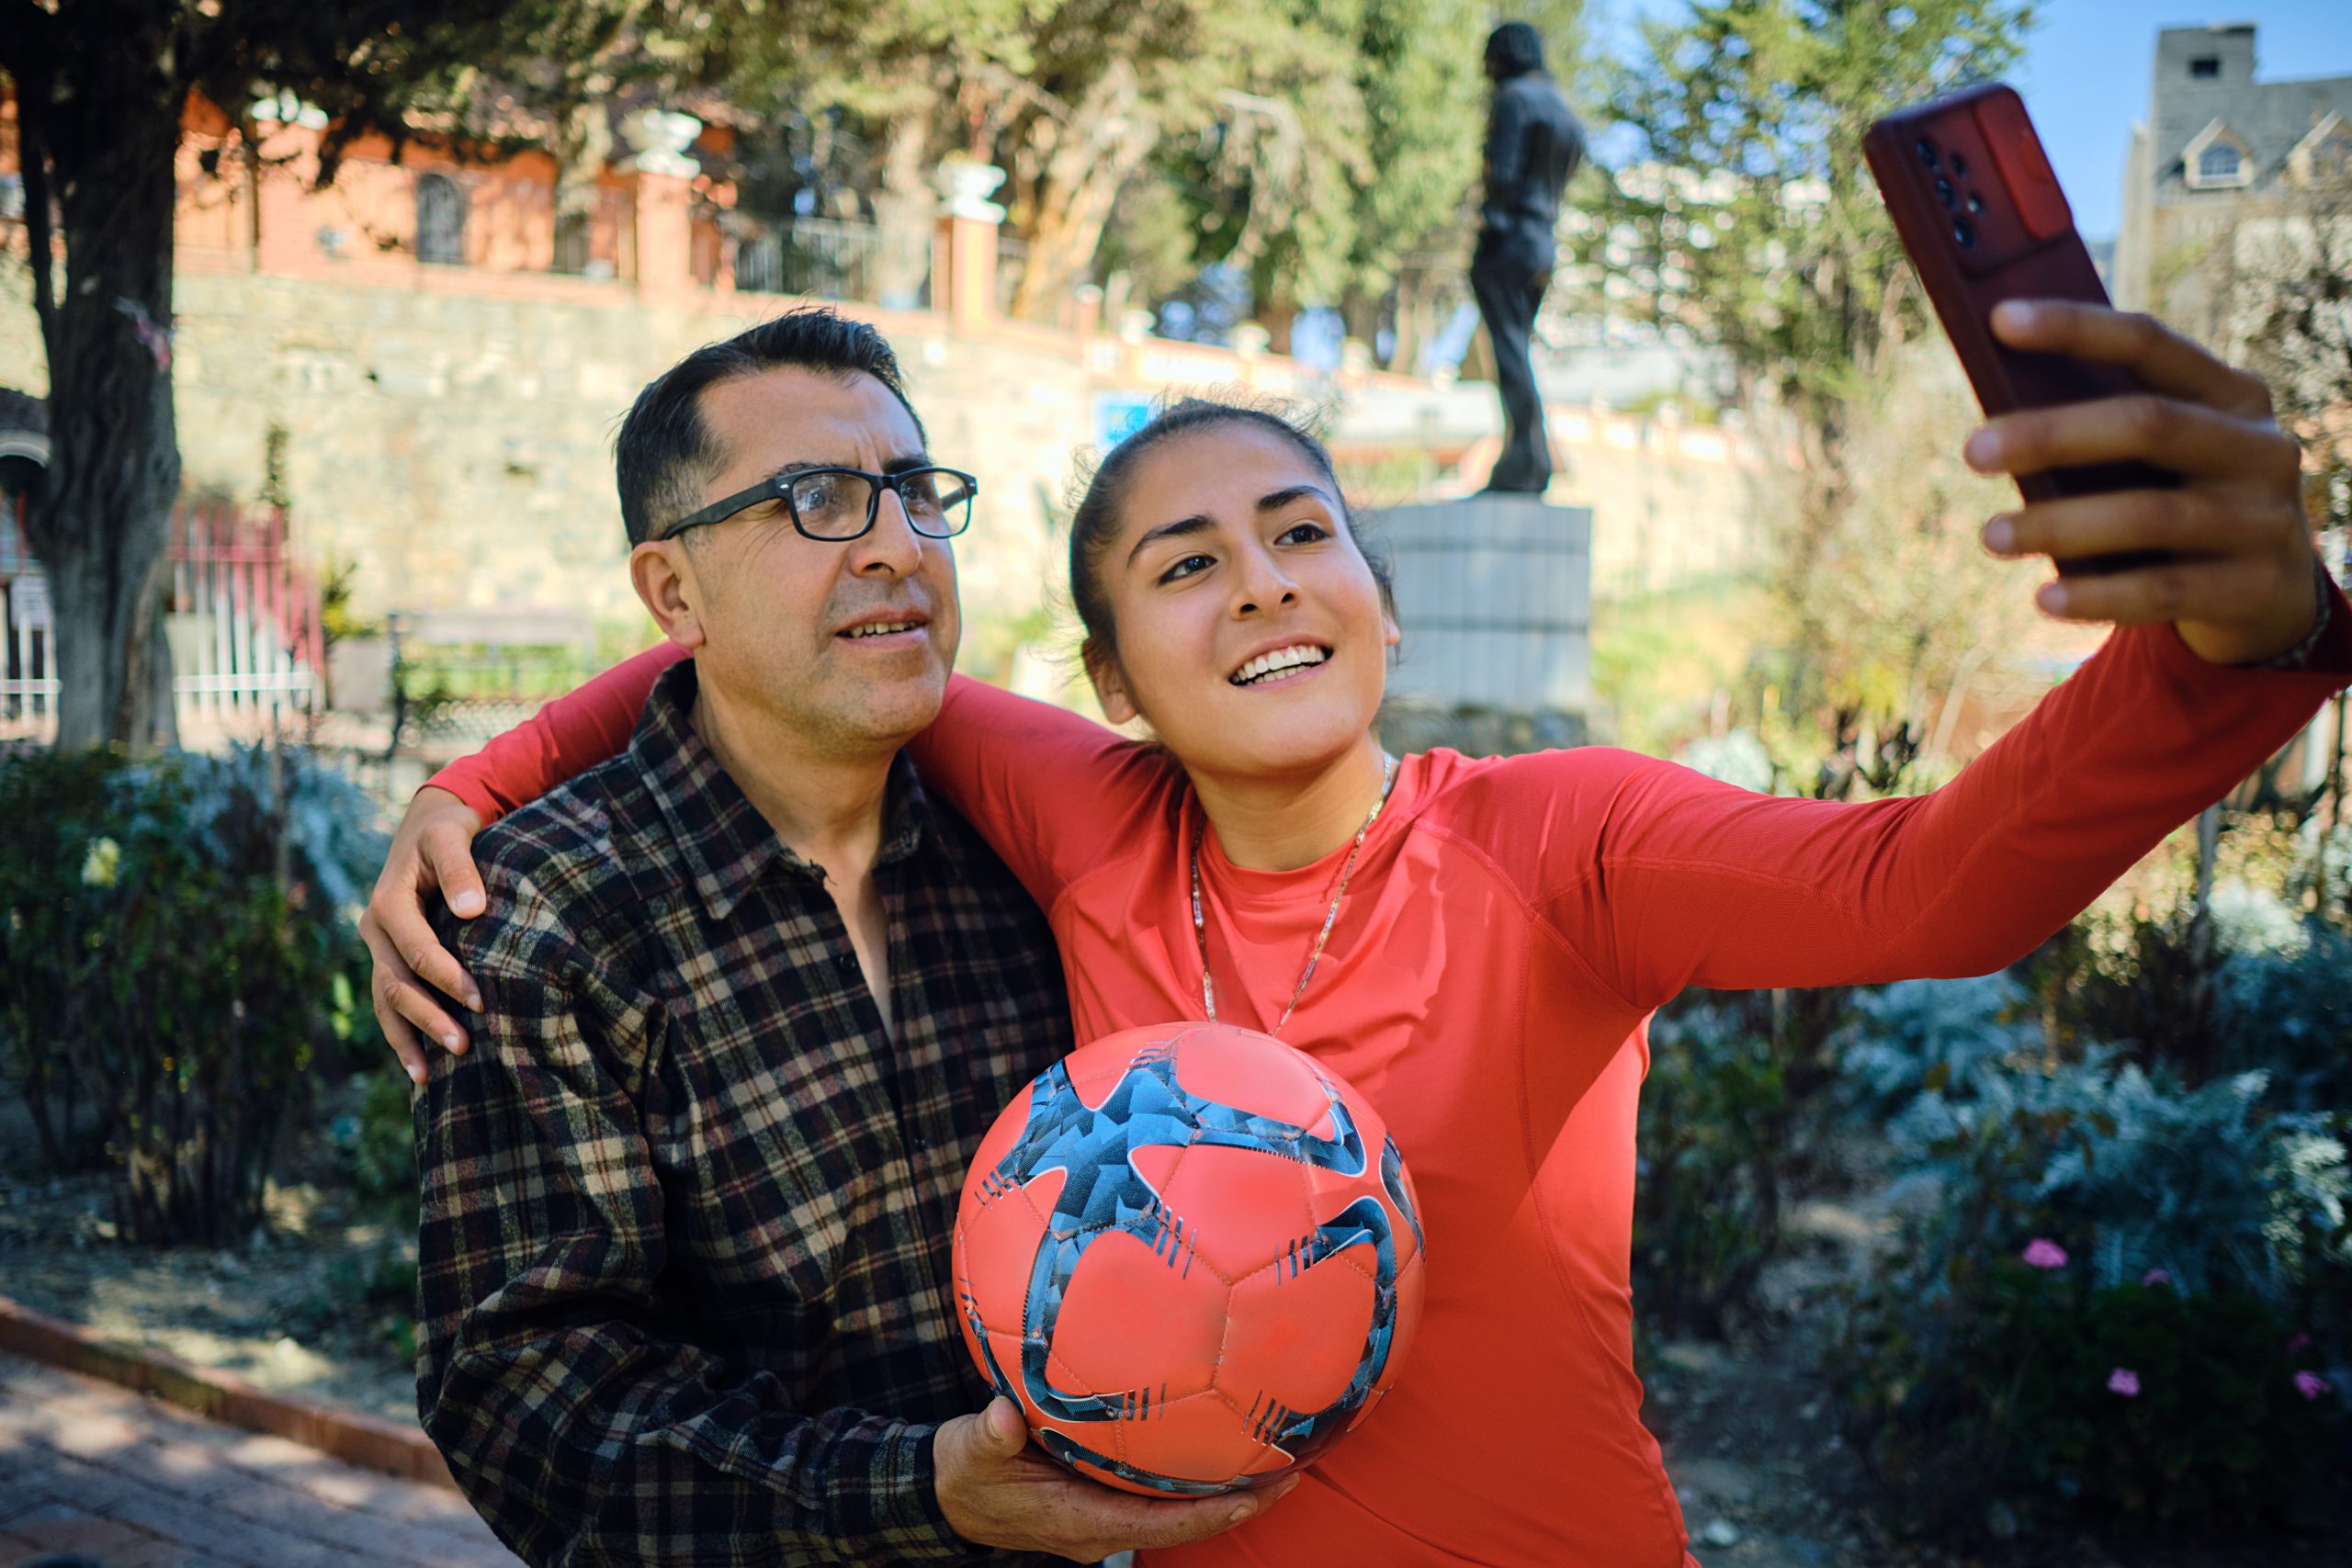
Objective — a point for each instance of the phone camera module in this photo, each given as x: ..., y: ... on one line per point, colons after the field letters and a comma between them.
x: 1965, y: 231
x: 1926, y: 149
x: 1958, y: 166
x: 1944, y: 192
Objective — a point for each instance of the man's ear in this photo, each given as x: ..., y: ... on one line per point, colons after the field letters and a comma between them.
x: 1110, y: 683
x: 664, y: 575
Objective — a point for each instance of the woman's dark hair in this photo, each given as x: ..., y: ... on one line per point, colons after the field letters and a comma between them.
x: 1094, y: 522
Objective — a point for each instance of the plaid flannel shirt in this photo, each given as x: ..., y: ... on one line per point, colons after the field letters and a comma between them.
x: 683, y: 1260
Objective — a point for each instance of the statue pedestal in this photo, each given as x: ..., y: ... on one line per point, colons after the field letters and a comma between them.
x: 1495, y: 596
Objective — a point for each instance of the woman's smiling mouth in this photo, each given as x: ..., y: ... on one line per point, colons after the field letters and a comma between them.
x: 1269, y: 668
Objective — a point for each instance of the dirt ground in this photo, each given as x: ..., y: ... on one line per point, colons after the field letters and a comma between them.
x: 284, y: 1309
x: 1751, y: 1431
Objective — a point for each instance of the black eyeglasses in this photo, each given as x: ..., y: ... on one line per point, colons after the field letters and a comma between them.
x: 833, y: 504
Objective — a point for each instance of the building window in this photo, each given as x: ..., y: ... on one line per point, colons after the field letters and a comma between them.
x: 440, y: 221
x: 2205, y: 67
x: 2217, y: 164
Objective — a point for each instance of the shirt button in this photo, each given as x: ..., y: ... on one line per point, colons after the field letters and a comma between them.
x: 846, y: 962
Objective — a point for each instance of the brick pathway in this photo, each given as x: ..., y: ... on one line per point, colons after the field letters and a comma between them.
x: 131, y: 1483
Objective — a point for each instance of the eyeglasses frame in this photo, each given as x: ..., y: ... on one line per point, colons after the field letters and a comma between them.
x: 778, y: 487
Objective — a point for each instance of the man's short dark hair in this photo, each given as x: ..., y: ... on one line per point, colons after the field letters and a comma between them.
x: 664, y: 453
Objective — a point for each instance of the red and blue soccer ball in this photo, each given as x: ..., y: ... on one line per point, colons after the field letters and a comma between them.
x: 1191, y: 1256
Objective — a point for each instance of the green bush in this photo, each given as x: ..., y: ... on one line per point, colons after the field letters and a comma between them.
x: 2203, y: 1228
x: 177, y: 944
x: 2139, y: 1402
x: 1707, y: 1207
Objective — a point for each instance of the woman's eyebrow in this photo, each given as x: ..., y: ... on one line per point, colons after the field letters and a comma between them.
x: 1199, y: 523
x: 1274, y: 500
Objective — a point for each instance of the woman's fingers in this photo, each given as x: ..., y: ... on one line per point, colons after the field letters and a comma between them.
x: 2185, y: 438
x: 2184, y: 522
x: 392, y: 976
x: 2184, y: 591
x: 2159, y: 358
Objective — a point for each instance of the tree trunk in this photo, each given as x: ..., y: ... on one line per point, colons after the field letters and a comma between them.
x: 104, y: 124
x: 1105, y: 138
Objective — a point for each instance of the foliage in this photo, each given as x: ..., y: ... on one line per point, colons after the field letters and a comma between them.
x: 376, y: 1144
x: 2184, y: 1234
x: 1742, y: 218
x: 2140, y: 1403
x: 1933, y: 1036
x: 2289, y: 1008
x: 179, y: 946
x: 1707, y: 1207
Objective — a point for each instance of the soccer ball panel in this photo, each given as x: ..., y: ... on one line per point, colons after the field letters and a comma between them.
x: 1295, y: 1338
x: 1229, y: 1069
x: 1240, y: 1208
x: 1139, y: 1322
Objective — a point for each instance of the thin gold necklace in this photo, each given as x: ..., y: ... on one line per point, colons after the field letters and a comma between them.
x: 1200, y: 919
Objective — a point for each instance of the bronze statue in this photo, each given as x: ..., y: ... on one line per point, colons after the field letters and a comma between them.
x: 1534, y: 145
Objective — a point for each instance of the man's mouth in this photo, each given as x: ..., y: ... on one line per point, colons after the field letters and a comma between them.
x: 880, y: 629
x: 1282, y: 661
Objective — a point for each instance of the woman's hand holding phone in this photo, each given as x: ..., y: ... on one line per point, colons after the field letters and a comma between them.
x: 2238, y: 580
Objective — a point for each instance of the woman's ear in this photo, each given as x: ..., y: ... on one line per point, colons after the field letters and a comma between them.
x: 1110, y: 683
x: 664, y: 578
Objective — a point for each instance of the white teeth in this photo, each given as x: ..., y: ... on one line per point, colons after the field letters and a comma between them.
x: 883, y: 628
x: 1280, y: 662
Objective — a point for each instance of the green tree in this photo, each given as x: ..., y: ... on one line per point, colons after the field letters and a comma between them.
x: 101, y: 87
x: 1747, y: 219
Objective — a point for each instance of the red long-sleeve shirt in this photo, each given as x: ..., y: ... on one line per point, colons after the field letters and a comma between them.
x: 1510, y: 927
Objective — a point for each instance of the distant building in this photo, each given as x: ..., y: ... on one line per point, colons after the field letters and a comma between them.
x: 2218, y: 148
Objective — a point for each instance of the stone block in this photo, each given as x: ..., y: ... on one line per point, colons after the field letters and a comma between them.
x: 1494, y: 597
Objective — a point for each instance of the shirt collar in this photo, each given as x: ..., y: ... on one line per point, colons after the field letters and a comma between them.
x: 723, y: 844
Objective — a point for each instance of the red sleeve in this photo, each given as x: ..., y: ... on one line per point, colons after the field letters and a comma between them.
x: 1660, y: 879
x: 568, y: 736
x: 1055, y: 793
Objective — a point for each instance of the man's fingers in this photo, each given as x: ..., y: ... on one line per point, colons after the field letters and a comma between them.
x: 2181, y: 590
x: 447, y: 851
x: 1178, y: 1524
x: 2187, y: 521
x: 2185, y: 437
x: 2159, y: 358
x: 1002, y: 1426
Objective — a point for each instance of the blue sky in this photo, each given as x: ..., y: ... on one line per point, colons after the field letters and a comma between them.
x: 2085, y: 74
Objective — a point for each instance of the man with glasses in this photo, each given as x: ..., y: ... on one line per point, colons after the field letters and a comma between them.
x: 747, y: 1002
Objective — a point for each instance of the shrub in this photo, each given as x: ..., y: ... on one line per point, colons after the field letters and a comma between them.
x: 178, y: 945
x: 1919, y: 1035
x: 2287, y: 1009
x: 1707, y: 1208
x: 2202, y: 1227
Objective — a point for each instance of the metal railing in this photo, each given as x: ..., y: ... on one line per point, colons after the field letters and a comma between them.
x: 829, y: 258
x: 241, y: 618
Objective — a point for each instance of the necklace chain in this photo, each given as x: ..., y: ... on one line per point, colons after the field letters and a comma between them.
x: 1200, y: 916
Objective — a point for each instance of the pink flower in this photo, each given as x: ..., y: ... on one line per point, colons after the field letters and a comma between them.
x: 2298, y: 1342
x: 2154, y: 1277
x: 2044, y: 1253
x: 2310, y: 1385
x: 2126, y: 1381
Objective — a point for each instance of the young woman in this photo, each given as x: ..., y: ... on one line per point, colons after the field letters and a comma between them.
x: 1477, y: 943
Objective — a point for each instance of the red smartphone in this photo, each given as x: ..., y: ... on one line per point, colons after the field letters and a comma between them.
x: 1976, y: 205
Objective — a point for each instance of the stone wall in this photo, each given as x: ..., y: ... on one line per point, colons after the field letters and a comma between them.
x: 457, y: 446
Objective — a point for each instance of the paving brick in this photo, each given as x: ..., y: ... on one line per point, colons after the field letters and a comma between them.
x: 110, y: 1541
x: 185, y: 1492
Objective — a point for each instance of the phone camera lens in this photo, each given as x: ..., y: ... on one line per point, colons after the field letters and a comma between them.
x: 1975, y: 202
x: 1965, y: 231
x: 1944, y: 193
x: 1958, y: 166
x: 1927, y: 151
